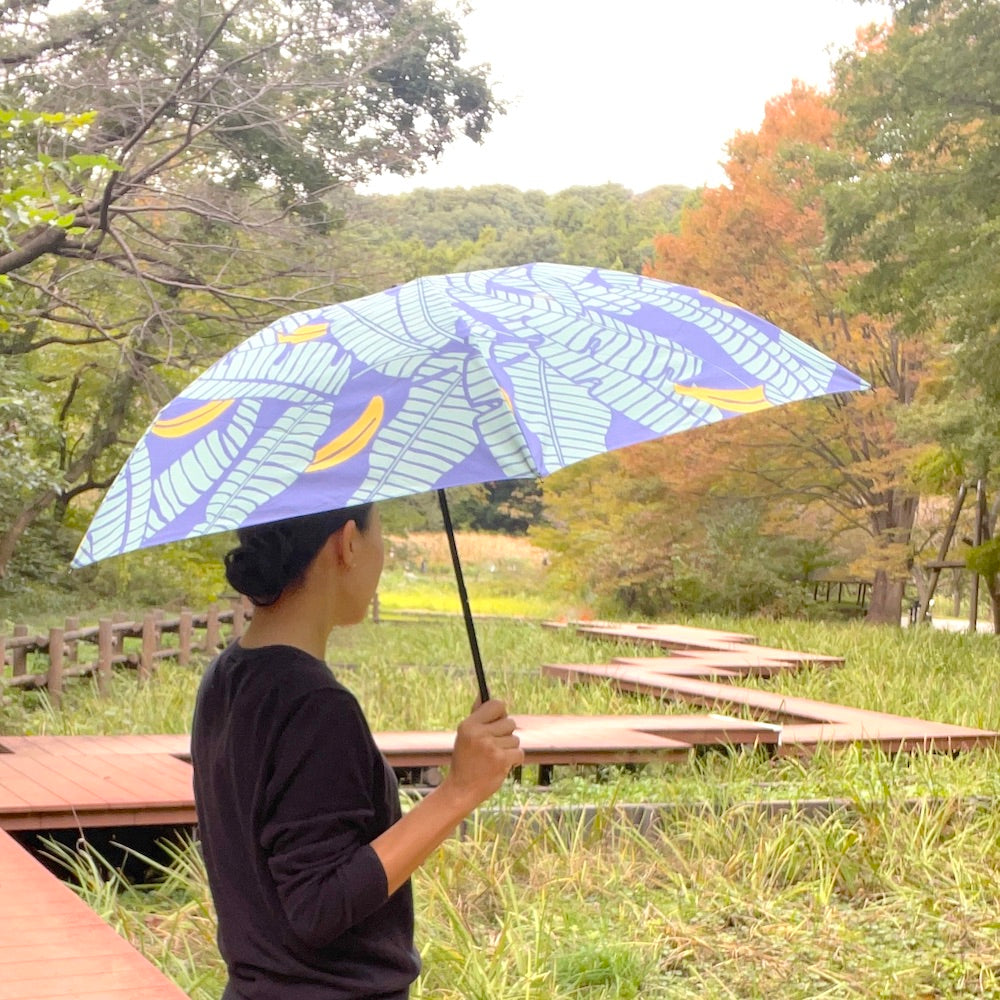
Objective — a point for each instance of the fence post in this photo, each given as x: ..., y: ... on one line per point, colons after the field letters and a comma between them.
x: 117, y: 639
x: 72, y: 646
x: 212, y: 630
x: 184, y: 629
x: 54, y: 679
x: 19, y: 654
x: 105, y: 650
x: 146, y: 658
x: 375, y: 609
x: 237, y: 606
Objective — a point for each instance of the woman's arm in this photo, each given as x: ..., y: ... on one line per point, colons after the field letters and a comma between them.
x: 485, y: 751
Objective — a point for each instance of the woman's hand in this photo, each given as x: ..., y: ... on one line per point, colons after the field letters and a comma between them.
x: 485, y: 751
x: 486, y: 748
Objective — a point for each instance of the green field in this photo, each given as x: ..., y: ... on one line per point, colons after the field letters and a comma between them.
x: 742, y: 888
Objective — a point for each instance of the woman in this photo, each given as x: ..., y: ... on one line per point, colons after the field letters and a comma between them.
x: 308, y: 855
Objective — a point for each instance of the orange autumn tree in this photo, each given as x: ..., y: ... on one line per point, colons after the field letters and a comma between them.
x: 834, y: 467
x: 760, y: 241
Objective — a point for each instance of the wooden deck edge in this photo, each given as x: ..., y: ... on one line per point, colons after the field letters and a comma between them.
x: 80, y: 955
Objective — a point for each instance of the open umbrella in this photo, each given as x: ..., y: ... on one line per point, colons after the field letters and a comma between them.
x: 446, y: 380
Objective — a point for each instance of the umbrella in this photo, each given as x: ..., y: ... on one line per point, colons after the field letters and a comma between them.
x: 443, y: 381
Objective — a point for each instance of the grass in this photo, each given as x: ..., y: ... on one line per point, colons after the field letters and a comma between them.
x: 893, y: 895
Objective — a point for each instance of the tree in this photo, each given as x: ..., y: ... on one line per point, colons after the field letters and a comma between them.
x: 919, y: 105
x: 918, y: 199
x: 205, y: 195
x: 760, y: 242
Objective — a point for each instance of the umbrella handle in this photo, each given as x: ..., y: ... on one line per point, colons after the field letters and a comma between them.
x: 470, y: 628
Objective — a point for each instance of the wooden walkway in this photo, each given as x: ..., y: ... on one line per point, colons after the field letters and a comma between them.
x: 65, y: 782
x: 801, y: 724
x: 702, y: 666
x: 54, y: 947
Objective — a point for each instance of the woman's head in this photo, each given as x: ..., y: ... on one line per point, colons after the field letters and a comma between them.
x: 274, y: 556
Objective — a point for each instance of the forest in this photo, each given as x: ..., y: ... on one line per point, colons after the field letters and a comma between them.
x: 170, y: 182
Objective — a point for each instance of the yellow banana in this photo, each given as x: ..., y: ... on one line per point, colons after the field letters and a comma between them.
x: 717, y: 298
x: 194, y: 420
x: 734, y: 400
x: 311, y: 331
x: 348, y: 443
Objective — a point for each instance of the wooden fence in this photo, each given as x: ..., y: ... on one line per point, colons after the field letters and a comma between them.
x: 74, y: 652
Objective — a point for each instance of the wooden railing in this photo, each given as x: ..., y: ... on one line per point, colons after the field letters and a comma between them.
x: 75, y: 652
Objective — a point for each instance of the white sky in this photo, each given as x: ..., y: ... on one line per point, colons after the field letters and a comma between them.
x: 638, y: 92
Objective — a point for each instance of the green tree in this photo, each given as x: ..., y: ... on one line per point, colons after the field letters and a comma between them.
x: 919, y: 199
x: 204, y: 193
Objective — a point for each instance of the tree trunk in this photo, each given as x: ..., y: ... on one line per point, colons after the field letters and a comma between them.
x: 20, y: 524
x: 114, y: 412
x: 886, y: 604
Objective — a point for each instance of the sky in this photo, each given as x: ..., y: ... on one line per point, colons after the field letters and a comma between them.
x: 635, y: 92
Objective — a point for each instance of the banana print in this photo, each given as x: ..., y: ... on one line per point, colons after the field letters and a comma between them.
x: 348, y: 443
x: 309, y: 331
x: 732, y: 400
x: 193, y: 420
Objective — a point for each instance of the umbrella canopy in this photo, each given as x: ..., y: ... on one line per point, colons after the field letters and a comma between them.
x: 444, y: 381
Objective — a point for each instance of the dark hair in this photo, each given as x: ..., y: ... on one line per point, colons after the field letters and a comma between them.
x: 273, y: 556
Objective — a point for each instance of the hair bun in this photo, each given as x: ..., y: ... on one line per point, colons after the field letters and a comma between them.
x: 255, y: 569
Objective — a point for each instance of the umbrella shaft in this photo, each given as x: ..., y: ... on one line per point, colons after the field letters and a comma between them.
x: 470, y: 628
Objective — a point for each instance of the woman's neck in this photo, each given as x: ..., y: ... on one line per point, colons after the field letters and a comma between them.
x: 282, y: 626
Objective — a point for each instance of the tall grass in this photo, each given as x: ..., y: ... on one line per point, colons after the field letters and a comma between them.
x: 887, y: 902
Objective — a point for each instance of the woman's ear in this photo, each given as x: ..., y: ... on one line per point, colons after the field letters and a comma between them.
x: 346, y: 544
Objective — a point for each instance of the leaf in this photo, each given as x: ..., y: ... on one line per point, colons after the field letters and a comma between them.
x: 204, y: 465
x: 452, y: 407
x: 310, y: 372
x: 273, y: 463
x: 125, y: 517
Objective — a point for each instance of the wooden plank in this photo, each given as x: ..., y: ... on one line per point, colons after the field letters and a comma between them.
x: 60, y: 791
x: 50, y: 787
x: 676, y: 636
x: 801, y: 718
x: 694, y: 668
x: 53, y: 946
x: 142, y: 781
x: 698, y: 663
x: 74, y: 746
x: 701, y: 730
x: 685, y: 637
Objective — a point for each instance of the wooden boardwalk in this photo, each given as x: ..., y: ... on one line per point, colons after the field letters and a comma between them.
x: 65, y: 782
x: 54, y: 947
x: 701, y: 667
x: 802, y: 725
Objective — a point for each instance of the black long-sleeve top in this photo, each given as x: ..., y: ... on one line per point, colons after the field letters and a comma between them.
x: 290, y: 790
